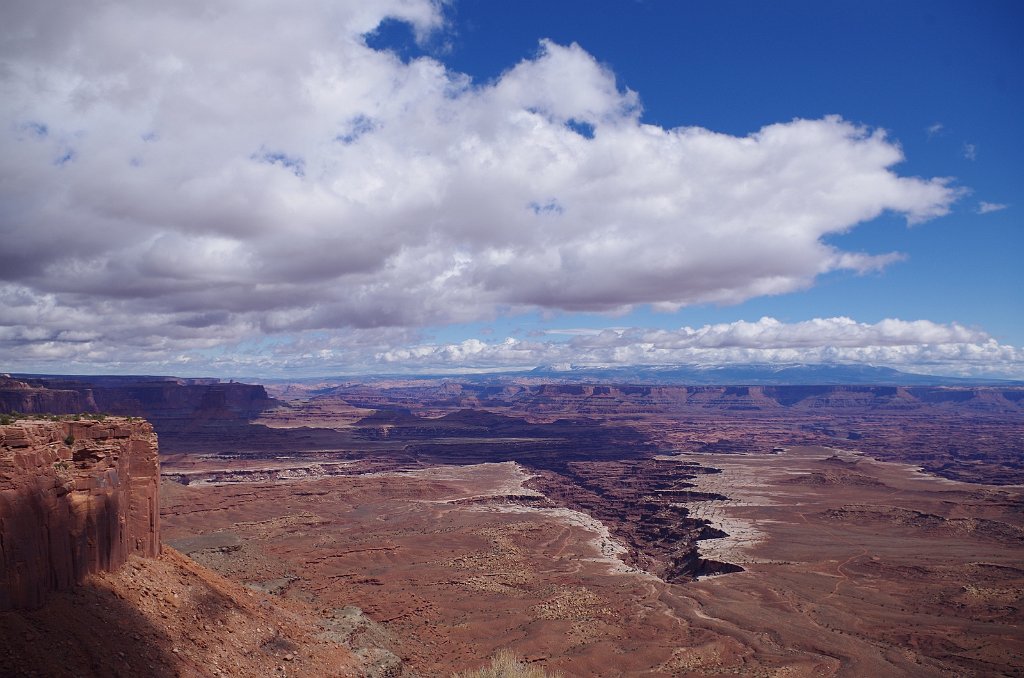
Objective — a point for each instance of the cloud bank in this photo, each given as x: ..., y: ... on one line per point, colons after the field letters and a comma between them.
x: 177, y: 179
x: 919, y: 345
x: 915, y: 346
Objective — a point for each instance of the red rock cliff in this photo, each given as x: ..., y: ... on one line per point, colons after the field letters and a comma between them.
x: 20, y: 396
x: 76, y: 497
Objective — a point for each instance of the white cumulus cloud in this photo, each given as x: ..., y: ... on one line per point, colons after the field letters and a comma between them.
x: 177, y: 177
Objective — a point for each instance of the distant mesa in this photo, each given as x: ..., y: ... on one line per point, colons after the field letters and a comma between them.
x: 170, y: 403
x: 31, y: 398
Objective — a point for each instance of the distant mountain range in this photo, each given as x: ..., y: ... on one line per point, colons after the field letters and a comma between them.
x: 759, y: 374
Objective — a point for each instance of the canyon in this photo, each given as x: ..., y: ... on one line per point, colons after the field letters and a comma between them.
x: 594, y: 529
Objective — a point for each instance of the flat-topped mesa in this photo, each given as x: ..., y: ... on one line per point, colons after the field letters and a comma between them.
x: 167, y: 402
x: 76, y: 497
x: 21, y: 396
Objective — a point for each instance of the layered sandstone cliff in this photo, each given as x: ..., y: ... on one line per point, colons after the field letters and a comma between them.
x: 169, y: 403
x: 20, y: 396
x: 76, y: 497
x: 610, y: 399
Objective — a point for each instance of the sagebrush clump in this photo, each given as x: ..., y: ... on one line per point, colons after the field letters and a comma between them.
x: 505, y: 664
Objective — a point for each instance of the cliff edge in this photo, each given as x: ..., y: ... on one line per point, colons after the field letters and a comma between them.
x: 87, y: 590
x: 76, y: 498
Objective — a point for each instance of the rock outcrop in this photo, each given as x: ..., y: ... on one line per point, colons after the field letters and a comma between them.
x: 76, y: 497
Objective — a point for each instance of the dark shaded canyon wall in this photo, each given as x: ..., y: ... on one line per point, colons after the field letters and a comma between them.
x: 169, y: 403
x: 584, y: 398
x: 71, y: 508
x: 181, y: 403
x: 600, y: 399
x: 20, y: 396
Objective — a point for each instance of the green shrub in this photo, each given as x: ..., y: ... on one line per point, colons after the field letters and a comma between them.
x: 69, y: 440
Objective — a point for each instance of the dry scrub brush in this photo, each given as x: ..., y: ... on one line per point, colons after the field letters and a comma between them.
x: 505, y: 664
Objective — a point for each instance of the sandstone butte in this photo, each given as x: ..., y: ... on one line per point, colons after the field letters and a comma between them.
x: 76, y: 498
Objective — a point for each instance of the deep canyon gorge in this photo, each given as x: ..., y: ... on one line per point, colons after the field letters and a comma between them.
x: 414, y: 527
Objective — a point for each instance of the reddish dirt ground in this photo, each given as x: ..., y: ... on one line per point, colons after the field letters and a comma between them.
x: 853, y: 567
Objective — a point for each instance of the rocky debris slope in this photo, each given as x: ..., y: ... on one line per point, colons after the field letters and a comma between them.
x: 76, y: 497
x: 168, y: 617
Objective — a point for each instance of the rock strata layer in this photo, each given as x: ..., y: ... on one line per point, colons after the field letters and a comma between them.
x: 76, y: 497
x: 21, y: 396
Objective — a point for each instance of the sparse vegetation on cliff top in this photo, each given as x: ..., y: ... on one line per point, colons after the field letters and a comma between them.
x: 11, y: 417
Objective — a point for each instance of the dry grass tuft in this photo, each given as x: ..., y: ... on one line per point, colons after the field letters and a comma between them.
x: 505, y: 664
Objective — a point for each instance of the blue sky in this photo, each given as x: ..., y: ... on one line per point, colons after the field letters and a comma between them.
x: 783, y: 182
